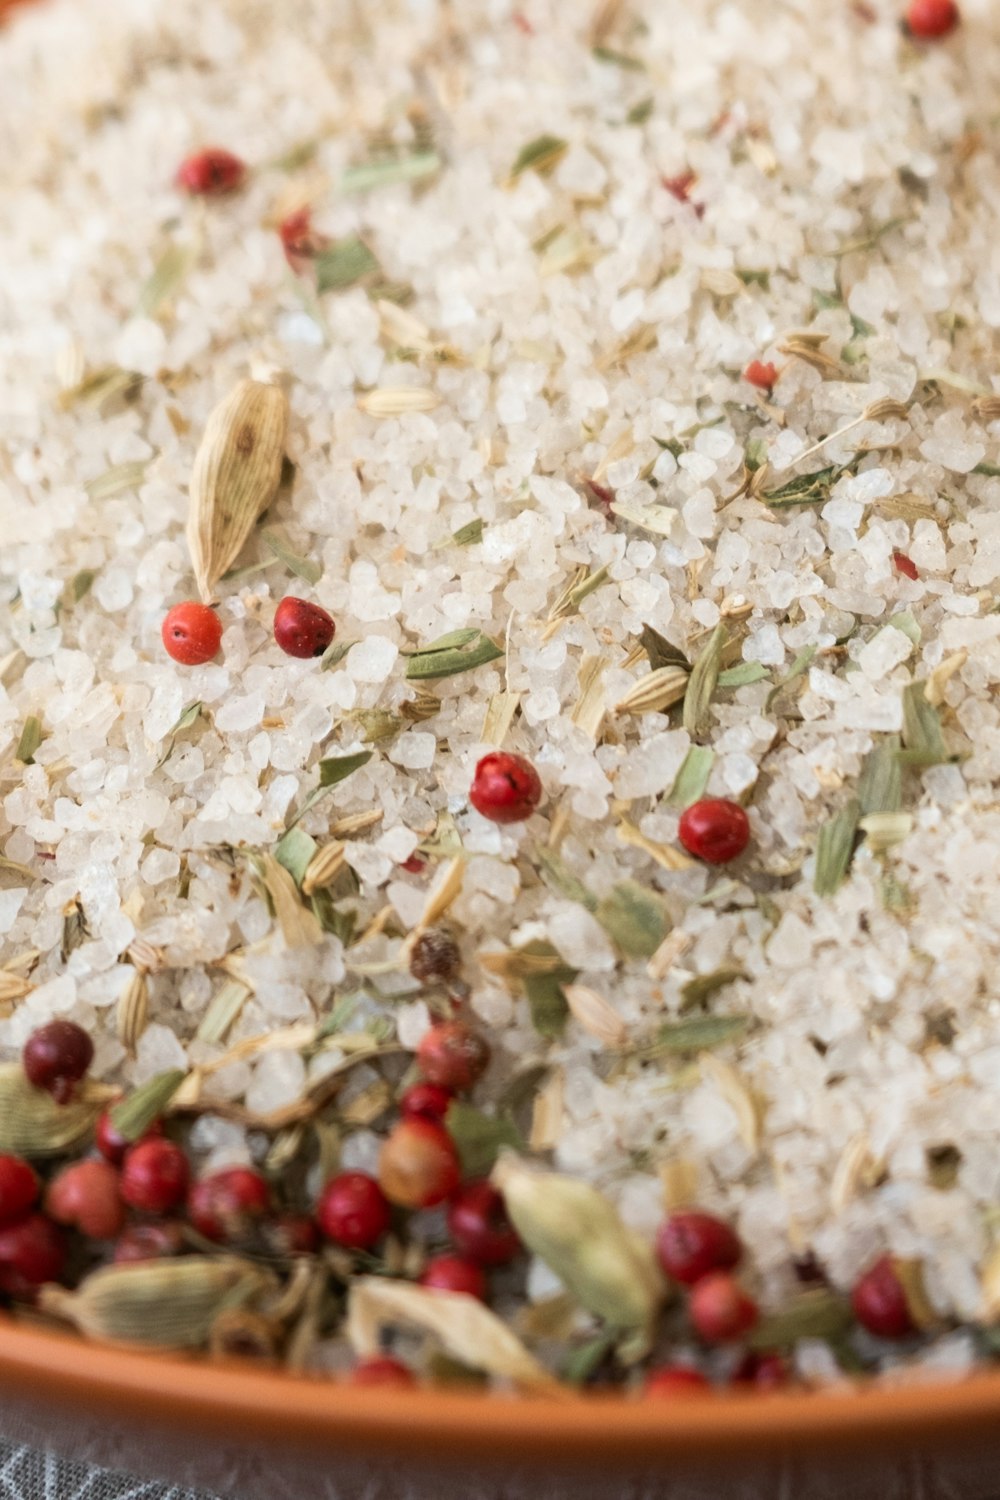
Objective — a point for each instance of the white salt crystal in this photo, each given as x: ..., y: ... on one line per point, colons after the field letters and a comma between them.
x: 886, y: 650
x: 278, y: 1079
x: 372, y: 659
x: 157, y: 1050
x: 414, y: 750
x: 412, y: 1024
x: 11, y: 902
x: 240, y: 713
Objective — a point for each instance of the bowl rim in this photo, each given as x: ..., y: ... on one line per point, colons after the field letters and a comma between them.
x: 310, y: 1413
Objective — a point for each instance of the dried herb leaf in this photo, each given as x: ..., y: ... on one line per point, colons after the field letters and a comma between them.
x: 117, y: 480
x: 223, y: 1012
x: 634, y: 918
x: 144, y: 1106
x: 619, y: 59
x: 31, y: 738
x: 479, y: 1138
x: 334, y: 654
x: 544, y: 991
x: 742, y: 676
x: 446, y: 661
x: 701, y: 989
x: 343, y: 265
x: 102, y: 387
x: 587, y: 1359
x: 640, y: 113
x: 298, y: 924
x: 302, y: 567
x: 692, y: 778
x: 468, y: 535
x: 75, y: 929
x: 801, y: 664
x: 835, y: 847
x: 500, y: 711
x: 819, y: 1314
x: 373, y: 174
x: 295, y: 850
x: 189, y: 717
x: 558, y: 874
x: 578, y: 589
x: 880, y: 785
x: 807, y: 489
x: 660, y: 651
x: 334, y: 769
x: 168, y: 275
x: 467, y: 1329
x: 540, y: 155
x: 696, y: 1034
x: 922, y: 735
x: 81, y: 584
x: 704, y: 677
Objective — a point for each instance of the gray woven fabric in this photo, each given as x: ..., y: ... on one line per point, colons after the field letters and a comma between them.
x: 28, y: 1475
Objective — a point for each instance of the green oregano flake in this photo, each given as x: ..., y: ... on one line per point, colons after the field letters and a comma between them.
x: 818, y: 1314
x: 31, y: 738
x: 699, y: 990
x: 692, y: 778
x: 117, y: 480
x: 544, y: 992
x: 634, y: 918
x: 557, y: 873
x: 743, y: 675
x: 479, y: 1137
x: 806, y: 489
x: 880, y: 785
x: 189, y: 717
x: 835, y: 847
x: 169, y: 274
x: 619, y: 59
x: 383, y: 171
x: 704, y: 679
x: 331, y: 771
x: 922, y: 736
x: 801, y: 664
x: 343, y: 265
x: 640, y: 113
x: 134, y: 1115
x: 334, y: 654
x: 295, y: 850
x: 660, y: 652
x: 463, y: 651
x: 302, y: 567
x: 468, y: 535
x: 540, y: 155
x: 81, y: 584
x: 694, y: 1034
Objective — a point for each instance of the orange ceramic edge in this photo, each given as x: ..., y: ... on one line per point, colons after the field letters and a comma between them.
x: 317, y: 1413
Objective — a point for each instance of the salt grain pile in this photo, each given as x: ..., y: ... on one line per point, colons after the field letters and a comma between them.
x: 573, y: 334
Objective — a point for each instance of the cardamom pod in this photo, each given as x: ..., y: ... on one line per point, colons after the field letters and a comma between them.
x: 657, y: 690
x: 33, y: 1124
x: 235, y: 476
x: 580, y: 1236
x: 171, y: 1304
x: 324, y: 867
x: 133, y: 1010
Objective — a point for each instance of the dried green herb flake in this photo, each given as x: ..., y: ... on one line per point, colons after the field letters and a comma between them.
x: 692, y: 778
x: 704, y: 679
x: 479, y: 1138
x: 31, y: 738
x: 540, y: 155
x: 134, y: 1115
x: 189, y: 717
x: 835, y: 848
x: 557, y: 873
x: 302, y: 567
x: 701, y: 989
x: 634, y: 918
x: 693, y: 1035
x: 343, y: 265
x: 295, y: 850
x: 743, y: 675
x: 546, y: 1000
x: 806, y: 489
x: 117, y: 480
x: 390, y: 169
x: 463, y: 651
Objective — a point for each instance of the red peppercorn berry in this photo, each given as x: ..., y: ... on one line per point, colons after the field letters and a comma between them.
x: 765, y: 1372
x: 905, y: 565
x: 155, y: 1176
x: 31, y: 1252
x: 352, y: 1211
x: 675, y: 1380
x: 761, y: 375
x: 192, y: 633
x: 505, y: 788
x: 714, y: 829
x: 931, y: 19
x: 148, y: 1242
x: 211, y: 172
x: 691, y: 1244
x: 879, y: 1301
x: 226, y: 1205
x: 302, y: 629
x: 18, y: 1189
x: 418, y: 1164
x: 426, y: 1101
x: 86, y: 1196
x: 415, y: 865
x: 720, y: 1309
x: 382, y: 1371
x: 679, y: 187
x: 479, y: 1226
x: 452, y: 1055
x: 292, y: 1234
x: 112, y: 1144
x: 56, y: 1057
x: 453, y: 1273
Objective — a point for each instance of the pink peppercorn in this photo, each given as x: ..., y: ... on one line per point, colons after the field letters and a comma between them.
x: 879, y: 1301
x: 479, y: 1226
x: 674, y: 1381
x: 302, y: 629
x: 352, y: 1210
x: 429, y: 1101
x: 225, y: 1205
x: 418, y: 1164
x: 929, y: 20
x: 761, y: 375
x: 905, y: 565
x: 691, y: 1244
x: 191, y: 633
x: 453, y: 1273
x: 31, y: 1252
x: 148, y: 1242
x: 18, y: 1189
x: 720, y: 1309
x: 452, y: 1055
x: 56, y: 1057
x: 86, y: 1196
x: 211, y: 172
x: 505, y: 788
x: 382, y: 1371
x: 155, y: 1176
x: 714, y: 829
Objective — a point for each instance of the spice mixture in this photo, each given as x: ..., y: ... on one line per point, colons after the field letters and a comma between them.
x: 500, y: 627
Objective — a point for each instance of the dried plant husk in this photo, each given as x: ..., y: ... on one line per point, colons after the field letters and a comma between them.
x: 133, y: 1010
x: 235, y: 477
x: 33, y: 1124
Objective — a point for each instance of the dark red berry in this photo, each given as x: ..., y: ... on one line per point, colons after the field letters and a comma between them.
x: 720, y: 1309
x: 302, y: 629
x: 418, y: 1164
x: 765, y: 1372
x: 149, y: 1242
x: 210, y: 172
x: 192, y: 633
x: 155, y: 1176
x: 382, y: 1371
x: 415, y: 865
x: 679, y: 187
x: 452, y: 1055
x: 453, y: 1273
x: 18, y: 1189
x: 226, y: 1205
x: 479, y: 1226
x: 428, y: 1101
x: 56, y: 1057
x: 435, y: 957
x: 905, y: 565
x: 676, y: 1380
x: 880, y: 1303
x: 352, y: 1211
x: 86, y: 1196
x: 505, y: 788
x: 714, y: 829
x: 760, y: 374
x: 112, y: 1144
x: 292, y: 1234
x: 931, y: 19
x: 31, y: 1252
x: 300, y: 241
x: 691, y: 1244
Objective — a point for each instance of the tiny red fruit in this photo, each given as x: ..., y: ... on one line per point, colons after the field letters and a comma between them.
x: 931, y: 19
x: 56, y: 1057
x: 427, y: 1101
x: 31, y: 1252
x: 452, y: 1055
x: 18, y: 1189
x: 676, y: 1380
x: 505, y: 788
x: 192, y: 633
x: 112, y: 1144
x: 155, y: 1176
x: 720, y: 1309
x: 479, y: 1226
x: 761, y: 375
x: 453, y: 1273
x: 879, y: 1301
x: 382, y: 1371
x: 300, y: 241
x: 352, y: 1211
x: 210, y: 172
x: 293, y: 1234
x: 415, y: 865
x: 679, y: 187
x: 302, y: 629
x: 148, y: 1242
x: 905, y: 565
x: 86, y: 1196
x: 714, y: 829
x: 691, y: 1244
x: 765, y: 1372
x: 418, y: 1164
x: 226, y: 1205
